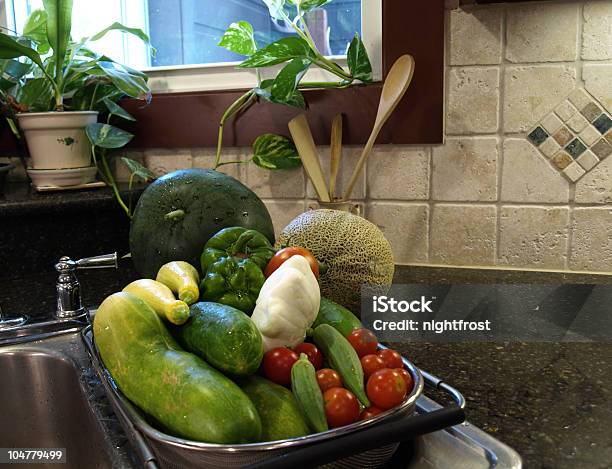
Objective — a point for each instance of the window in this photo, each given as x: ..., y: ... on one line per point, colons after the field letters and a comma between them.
x: 186, y: 32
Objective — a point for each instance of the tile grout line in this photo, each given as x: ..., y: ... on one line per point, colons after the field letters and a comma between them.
x: 500, y: 135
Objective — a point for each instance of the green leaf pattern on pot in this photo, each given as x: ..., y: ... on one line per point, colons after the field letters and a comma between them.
x: 238, y: 38
x: 272, y: 151
x: 283, y: 50
x: 358, y: 61
x: 107, y: 136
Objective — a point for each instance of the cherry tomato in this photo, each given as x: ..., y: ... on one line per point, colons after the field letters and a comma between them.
x: 369, y: 413
x: 391, y: 358
x: 363, y: 341
x: 371, y: 363
x: 407, y: 378
x: 285, y: 253
x: 277, y: 364
x: 341, y: 407
x: 328, y: 378
x: 312, y: 352
x: 386, y: 388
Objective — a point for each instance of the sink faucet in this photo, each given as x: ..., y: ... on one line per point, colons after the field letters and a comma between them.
x: 70, y: 314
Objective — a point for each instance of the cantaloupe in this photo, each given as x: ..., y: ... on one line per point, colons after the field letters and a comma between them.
x: 353, y: 249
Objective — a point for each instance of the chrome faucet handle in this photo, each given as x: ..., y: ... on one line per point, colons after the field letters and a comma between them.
x: 68, y: 288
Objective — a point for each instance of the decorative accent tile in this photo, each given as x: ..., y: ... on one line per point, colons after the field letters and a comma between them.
x: 603, y: 123
x: 572, y: 140
x: 562, y: 160
x: 575, y: 148
x: 587, y: 160
x: 591, y: 111
x: 574, y: 172
x: 602, y: 149
x: 589, y: 135
x: 551, y: 123
x: 565, y: 110
x: 563, y: 136
x: 550, y: 147
x: 577, y: 123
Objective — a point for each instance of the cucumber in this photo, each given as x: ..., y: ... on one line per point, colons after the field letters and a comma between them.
x: 181, y: 391
x: 223, y: 336
x: 159, y: 297
x: 336, y: 316
x: 308, y: 394
x: 280, y: 415
x: 182, y: 278
x: 342, y: 358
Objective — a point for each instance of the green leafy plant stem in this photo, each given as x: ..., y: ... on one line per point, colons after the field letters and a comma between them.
x: 107, y: 176
x: 241, y: 103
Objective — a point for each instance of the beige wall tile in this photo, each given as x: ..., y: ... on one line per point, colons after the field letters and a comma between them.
x: 463, y: 234
x: 465, y: 169
x: 598, y: 81
x: 282, y: 212
x: 596, y: 31
x: 350, y: 156
x: 592, y: 239
x: 162, y: 161
x: 541, y: 33
x: 475, y: 36
x: 596, y: 186
x: 396, y: 172
x: 473, y: 100
x: 279, y: 184
x: 405, y: 226
x: 533, y: 237
x: 205, y: 158
x: 532, y: 92
x: 528, y: 177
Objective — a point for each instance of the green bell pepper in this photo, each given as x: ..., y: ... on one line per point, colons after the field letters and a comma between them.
x: 234, y: 282
x: 239, y: 242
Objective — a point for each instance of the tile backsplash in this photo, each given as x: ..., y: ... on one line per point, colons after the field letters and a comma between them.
x: 524, y: 179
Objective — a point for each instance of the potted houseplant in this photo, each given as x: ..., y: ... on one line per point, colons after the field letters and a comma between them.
x: 54, y: 87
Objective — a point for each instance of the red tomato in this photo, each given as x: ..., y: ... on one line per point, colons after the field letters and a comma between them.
x: 369, y: 413
x: 277, y: 364
x: 386, y: 388
x: 407, y: 378
x: 363, y: 341
x: 341, y: 407
x: 391, y: 358
x: 328, y: 378
x: 312, y: 352
x: 284, y: 254
x: 371, y: 363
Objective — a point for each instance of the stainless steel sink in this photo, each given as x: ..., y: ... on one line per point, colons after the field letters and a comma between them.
x: 44, y: 403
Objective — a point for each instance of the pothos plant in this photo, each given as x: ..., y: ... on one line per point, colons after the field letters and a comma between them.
x: 298, y: 53
x: 45, y: 69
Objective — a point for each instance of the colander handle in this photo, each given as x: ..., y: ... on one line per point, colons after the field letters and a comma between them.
x: 395, y: 431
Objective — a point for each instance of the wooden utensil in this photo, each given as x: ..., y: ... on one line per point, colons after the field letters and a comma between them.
x: 335, y: 154
x: 302, y: 137
x: 395, y: 86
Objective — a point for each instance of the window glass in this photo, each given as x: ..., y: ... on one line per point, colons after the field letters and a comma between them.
x: 186, y: 32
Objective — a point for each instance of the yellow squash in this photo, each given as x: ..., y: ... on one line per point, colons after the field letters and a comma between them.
x: 159, y: 297
x: 182, y: 278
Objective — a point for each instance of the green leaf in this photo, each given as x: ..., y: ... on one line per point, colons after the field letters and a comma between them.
x: 116, y: 26
x: 117, y: 110
x: 238, y: 38
x: 272, y: 151
x: 11, y: 72
x: 138, y: 170
x: 287, y: 80
x: 307, y: 5
x: 11, y: 49
x: 37, y: 95
x: 264, y: 91
x: 35, y: 29
x: 283, y: 50
x: 59, y: 24
x: 132, y: 85
x: 107, y: 136
x: 276, y: 8
x: 358, y: 61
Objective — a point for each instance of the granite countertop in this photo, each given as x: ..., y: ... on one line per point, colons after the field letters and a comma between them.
x: 549, y: 401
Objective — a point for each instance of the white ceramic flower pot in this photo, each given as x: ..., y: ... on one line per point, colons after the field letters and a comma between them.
x: 57, y: 140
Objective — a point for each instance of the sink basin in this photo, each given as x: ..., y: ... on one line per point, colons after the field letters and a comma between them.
x: 43, y: 404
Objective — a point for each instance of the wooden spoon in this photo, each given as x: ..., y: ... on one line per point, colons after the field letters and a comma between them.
x: 336, y: 154
x: 395, y: 86
x: 302, y: 137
